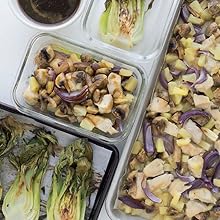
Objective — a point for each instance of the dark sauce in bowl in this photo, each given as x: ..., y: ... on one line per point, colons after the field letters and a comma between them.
x: 49, y: 11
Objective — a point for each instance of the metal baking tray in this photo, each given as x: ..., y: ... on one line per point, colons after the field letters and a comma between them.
x: 116, y: 214
x: 104, y: 163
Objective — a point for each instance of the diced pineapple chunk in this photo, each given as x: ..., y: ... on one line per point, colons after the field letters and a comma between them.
x: 216, y: 52
x: 189, y: 77
x: 167, y: 167
x: 170, y: 58
x: 217, y: 20
x: 185, y: 158
x: 216, y: 131
x: 205, y: 145
x: 184, y: 133
x: 148, y: 202
x: 177, y: 99
x: 175, y: 199
x: 79, y: 110
x: 195, y: 20
x: 187, y: 43
x: 183, y: 141
x: 210, y: 124
x: 204, y: 4
x: 210, y: 134
x: 166, y: 115
x: 131, y: 84
x: 160, y: 145
x: 87, y: 124
x: 34, y: 85
x: 195, y: 6
x: 177, y: 203
x: 163, y: 210
x: 166, y: 198
x: 167, y: 74
x: 137, y: 147
x: 202, y: 60
x: 127, y: 209
x: 75, y: 58
x: 125, y: 72
x: 205, y: 15
x: 190, y: 54
x: 216, y: 182
x: 180, y: 65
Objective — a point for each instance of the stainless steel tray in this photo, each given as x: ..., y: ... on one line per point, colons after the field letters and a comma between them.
x: 116, y: 214
x: 104, y: 163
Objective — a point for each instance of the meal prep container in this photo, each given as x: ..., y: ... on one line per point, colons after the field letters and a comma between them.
x: 21, y: 15
x: 156, y: 25
x: 105, y: 159
x: 28, y: 66
x: 114, y: 213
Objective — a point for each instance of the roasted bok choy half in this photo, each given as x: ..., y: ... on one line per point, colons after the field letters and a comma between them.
x: 71, y: 182
x: 122, y: 22
x: 22, y: 201
x: 10, y: 132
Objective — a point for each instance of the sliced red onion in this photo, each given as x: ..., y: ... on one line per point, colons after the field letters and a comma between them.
x: 202, y: 77
x: 148, y: 138
x: 168, y: 142
x: 184, y: 13
x: 217, y: 172
x: 119, y: 125
x: 191, y: 113
x: 200, y: 38
x: 163, y: 81
x: 193, y: 70
x: 116, y: 69
x: 149, y: 194
x: 210, y: 159
x: 197, y: 29
x: 133, y: 203
x: 184, y: 178
x: 205, y: 52
x: 175, y: 73
x: 73, y: 97
x: 198, y: 183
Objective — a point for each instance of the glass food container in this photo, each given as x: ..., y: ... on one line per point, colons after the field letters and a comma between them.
x: 28, y: 67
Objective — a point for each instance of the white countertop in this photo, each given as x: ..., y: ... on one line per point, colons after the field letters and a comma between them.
x: 14, y: 38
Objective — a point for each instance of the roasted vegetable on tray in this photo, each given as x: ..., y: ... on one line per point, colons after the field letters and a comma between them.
x: 30, y: 150
x: 122, y: 22
x: 71, y: 182
x: 174, y: 168
x: 77, y: 88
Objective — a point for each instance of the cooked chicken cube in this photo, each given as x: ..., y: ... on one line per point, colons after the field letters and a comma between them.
x: 178, y: 186
x: 195, y: 165
x: 160, y: 182
x: 159, y: 105
x: 202, y: 194
x: 154, y: 168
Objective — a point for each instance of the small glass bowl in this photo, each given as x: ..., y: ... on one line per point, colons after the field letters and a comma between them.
x: 28, y: 66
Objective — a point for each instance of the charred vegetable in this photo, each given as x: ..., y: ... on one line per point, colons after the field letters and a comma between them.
x: 22, y: 201
x: 71, y: 182
x: 122, y: 22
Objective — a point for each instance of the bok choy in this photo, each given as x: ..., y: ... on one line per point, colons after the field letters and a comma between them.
x: 122, y: 22
x: 22, y: 201
x: 71, y: 182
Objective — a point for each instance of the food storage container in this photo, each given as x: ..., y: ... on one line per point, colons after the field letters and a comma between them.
x: 28, y: 66
x: 157, y: 23
x: 105, y: 160
x: 21, y: 15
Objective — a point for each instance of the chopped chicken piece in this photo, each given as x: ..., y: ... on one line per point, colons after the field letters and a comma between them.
x: 105, y: 104
x: 178, y: 186
x: 195, y: 165
x: 215, y: 113
x: 103, y: 124
x: 201, y: 101
x: 159, y: 105
x: 209, y: 42
x: 194, y: 130
x: 171, y: 129
x: 114, y: 85
x: 30, y: 97
x: 191, y: 150
x: 202, y: 194
x: 205, y: 86
x: 211, y: 65
x: 136, y: 190
x: 193, y: 208
x: 154, y: 168
x: 160, y: 182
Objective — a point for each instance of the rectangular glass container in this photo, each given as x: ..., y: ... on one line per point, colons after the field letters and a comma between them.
x: 27, y: 69
x: 156, y: 27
